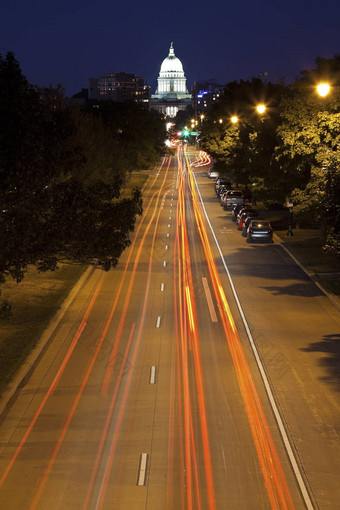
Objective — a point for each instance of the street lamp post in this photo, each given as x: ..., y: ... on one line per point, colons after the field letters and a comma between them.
x: 290, y: 220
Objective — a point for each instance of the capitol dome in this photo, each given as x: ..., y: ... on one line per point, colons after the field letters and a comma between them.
x: 171, y: 94
x: 171, y: 63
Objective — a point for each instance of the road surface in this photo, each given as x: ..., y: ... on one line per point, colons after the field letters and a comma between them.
x: 149, y: 394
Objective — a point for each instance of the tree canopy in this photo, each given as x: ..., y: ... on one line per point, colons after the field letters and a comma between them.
x: 244, y: 148
x: 61, y: 172
x: 291, y: 151
x: 309, y: 138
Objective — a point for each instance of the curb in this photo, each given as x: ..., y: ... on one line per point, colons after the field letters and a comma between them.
x: 32, y: 358
x: 332, y: 297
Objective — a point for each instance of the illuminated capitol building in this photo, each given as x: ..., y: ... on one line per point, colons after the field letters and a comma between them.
x: 172, y: 94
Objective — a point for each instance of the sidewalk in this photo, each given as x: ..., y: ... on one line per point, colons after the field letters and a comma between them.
x: 316, y: 277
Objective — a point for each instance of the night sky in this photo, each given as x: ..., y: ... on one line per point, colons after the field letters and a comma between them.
x: 68, y: 42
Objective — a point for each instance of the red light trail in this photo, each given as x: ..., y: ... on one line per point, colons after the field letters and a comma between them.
x: 276, y: 484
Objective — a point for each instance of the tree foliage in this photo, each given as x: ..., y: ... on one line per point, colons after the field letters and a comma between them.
x: 137, y: 136
x: 245, y: 148
x: 309, y: 148
x: 61, y: 172
x: 290, y: 152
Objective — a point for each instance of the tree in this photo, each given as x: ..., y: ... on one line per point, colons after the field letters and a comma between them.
x: 137, y: 135
x: 59, y: 193
x: 309, y: 149
x: 246, y: 147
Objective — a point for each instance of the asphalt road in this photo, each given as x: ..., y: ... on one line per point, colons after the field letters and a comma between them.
x: 148, y: 394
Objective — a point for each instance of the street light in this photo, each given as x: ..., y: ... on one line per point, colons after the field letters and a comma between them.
x: 261, y: 108
x: 323, y: 89
x: 290, y: 220
x: 234, y: 119
x: 220, y: 121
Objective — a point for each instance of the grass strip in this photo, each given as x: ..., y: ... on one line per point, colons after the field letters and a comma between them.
x: 34, y: 303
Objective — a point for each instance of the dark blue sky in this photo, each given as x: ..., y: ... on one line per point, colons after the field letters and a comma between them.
x: 69, y: 41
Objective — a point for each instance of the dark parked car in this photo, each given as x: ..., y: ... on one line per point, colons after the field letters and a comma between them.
x: 245, y: 208
x: 241, y: 219
x: 259, y: 229
x: 222, y: 180
x: 236, y: 209
x: 252, y: 215
x: 224, y: 194
x: 221, y: 188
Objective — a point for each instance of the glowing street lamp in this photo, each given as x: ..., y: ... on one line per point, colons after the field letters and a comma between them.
x: 261, y: 108
x: 234, y: 119
x: 323, y: 89
x: 220, y: 121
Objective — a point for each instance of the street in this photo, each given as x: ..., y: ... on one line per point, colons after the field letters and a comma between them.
x: 181, y: 379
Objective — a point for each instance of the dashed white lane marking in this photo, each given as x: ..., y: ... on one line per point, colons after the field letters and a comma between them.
x: 152, y: 374
x: 164, y: 263
x: 162, y: 287
x: 158, y: 322
x: 166, y: 246
x: 142, y: 468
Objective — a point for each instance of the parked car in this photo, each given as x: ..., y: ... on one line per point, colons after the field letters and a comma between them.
x: 223, y: 194
x: 259, y: 229
x: 222, y: 180
x: 231, y: 198
x: 237, y: 208
x: 212, y: 173
x: 241, y: 219
x: 252, y: 215
x: 244, y: 209
x: 221, y: 188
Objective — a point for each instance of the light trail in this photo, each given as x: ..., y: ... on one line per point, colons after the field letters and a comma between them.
x: 128, y: 297
x: 202, y: 160
x: 275, y: 481
x: 187, y: 336
x: 175, y: 384
x: 183, y: 357
x: 108, y: 421
x: 121, y: 410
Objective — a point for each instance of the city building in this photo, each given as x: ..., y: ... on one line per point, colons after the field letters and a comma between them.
x: 172, y: 94
x: 205, y: 94
x: 119, y: 87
